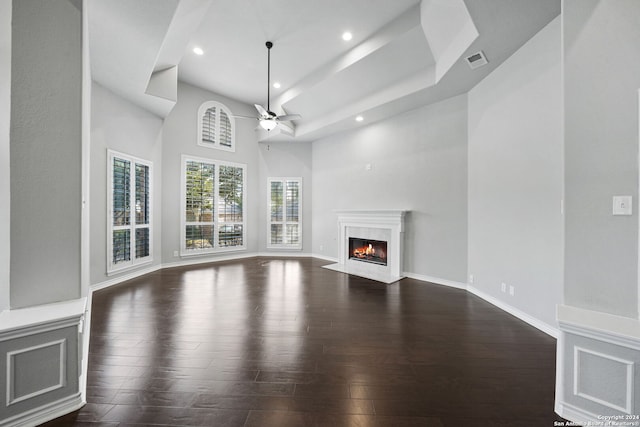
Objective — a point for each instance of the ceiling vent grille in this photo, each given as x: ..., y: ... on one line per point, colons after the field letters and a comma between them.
x: 477, y: 60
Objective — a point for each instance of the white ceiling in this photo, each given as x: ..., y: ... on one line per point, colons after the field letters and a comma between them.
x: 404, y: 53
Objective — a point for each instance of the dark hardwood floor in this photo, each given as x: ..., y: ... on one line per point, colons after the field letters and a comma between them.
x: 273, y: 342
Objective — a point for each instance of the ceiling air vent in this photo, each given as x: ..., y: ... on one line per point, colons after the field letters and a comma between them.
x: 477, y: 60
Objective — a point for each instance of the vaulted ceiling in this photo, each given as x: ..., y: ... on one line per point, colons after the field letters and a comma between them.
x: 403, y: 54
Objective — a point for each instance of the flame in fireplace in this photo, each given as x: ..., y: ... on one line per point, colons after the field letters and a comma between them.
x: 364, y: 251
x: 369, y: 251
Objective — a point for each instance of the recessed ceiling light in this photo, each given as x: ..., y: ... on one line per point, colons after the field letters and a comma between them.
x: 198, y: 51
x: 346, y: 36
x: 359, y: 119
x: 276, y: 85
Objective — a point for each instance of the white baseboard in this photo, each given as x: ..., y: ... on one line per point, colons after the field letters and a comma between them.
x: 124, y: 277
x: 544, y: 327
x: 324, y: 257
x: 45, y: 413
x: 184, y: 262
x: 436, y: 280
x: 549, y: 330
x: 577, y: 415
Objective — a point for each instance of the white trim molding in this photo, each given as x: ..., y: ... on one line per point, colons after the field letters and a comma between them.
x: 12, y: 397
x: 536, y: 323
x: 597, y: 357
x: 30, y: 335
x: 579, y: 354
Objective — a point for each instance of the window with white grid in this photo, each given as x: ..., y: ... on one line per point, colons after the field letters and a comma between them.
x: 129, y: 241
x: 213, y: 197
x: 285, y: 213
x: 216, y: 126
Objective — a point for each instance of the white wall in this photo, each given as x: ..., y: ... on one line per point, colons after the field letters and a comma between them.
x: 5, y: 118
x: 180, y: 137
x: 119, y: 125
x: 46, y: 145
x: 515, y: 178
x: 602, y: 78
x: 285, y: 159
x: 419, y: 163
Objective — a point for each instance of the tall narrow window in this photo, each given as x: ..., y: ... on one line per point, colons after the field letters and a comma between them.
x: 213, y: 218
x: 285, y: 208
x: 129, y: 212
x: 216, y: 126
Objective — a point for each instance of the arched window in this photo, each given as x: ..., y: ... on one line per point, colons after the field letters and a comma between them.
x: 216, y: 126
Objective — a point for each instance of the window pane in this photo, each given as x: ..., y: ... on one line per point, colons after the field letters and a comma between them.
x: 199, y: 201
x: 142, y: 242
x: 209, y: 125
x: 230, y: 194
x: 121, y: 191
x: 142, y: 194
x: 121, y: 246
x: 199, y: 236
x: 225, y: 129
x: 230, y: 235
x: 293, y: 200
x: 276, y: 200
x: 276, y: 234
x: 293, y: 237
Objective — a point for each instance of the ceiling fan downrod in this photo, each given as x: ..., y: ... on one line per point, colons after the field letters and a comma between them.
x: 269, y: 46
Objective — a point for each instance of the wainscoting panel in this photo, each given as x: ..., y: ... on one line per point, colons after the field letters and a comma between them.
x: 40, y: 364
x: 594, y: 369
x: 598, y: 364
x: 36, y: 370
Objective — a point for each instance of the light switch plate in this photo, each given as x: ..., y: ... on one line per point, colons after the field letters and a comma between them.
x: 622, y: 205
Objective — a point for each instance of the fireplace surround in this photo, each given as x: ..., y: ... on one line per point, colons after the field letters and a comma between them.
x: 384, y: 231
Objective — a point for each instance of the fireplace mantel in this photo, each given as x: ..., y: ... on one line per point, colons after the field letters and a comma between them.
x: 385, y: 225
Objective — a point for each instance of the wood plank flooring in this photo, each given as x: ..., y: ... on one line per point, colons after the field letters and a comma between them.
x: 284, y: 342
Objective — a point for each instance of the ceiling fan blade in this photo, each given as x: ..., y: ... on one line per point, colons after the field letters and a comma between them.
x: 289, y: 117
x: 246, y: 117
x: 261, y: 110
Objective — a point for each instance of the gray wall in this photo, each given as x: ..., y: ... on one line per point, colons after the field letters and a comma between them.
x: 602, y: 77
x: 418, y: 163
x: 121, y: 126
x: 180, y: 137
x: 285, y: 159
x: 515, y: 178
x: 5, y: 116
x: 45, y: 152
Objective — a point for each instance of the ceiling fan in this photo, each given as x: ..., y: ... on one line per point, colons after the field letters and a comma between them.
x: 268, y: 119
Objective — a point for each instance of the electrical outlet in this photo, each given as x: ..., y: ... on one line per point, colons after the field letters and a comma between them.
x: 512, y: 290
x: 504, y: 287
x: 176, y: 253
x: 471, y: 279
x: 321, y: 248
x: 622, y: 205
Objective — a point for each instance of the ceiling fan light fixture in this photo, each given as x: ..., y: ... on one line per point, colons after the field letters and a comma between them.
x: 268, y: 124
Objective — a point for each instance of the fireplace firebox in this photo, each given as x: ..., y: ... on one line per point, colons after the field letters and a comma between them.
x: 367, y: 250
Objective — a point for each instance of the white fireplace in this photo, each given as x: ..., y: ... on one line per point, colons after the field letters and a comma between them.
x: 377, y: 255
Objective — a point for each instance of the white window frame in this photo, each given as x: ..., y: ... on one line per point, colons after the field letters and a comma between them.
x: 184, y: 252
x: 113, y: 267
x: 284, y: 222
x: 216, y: 144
